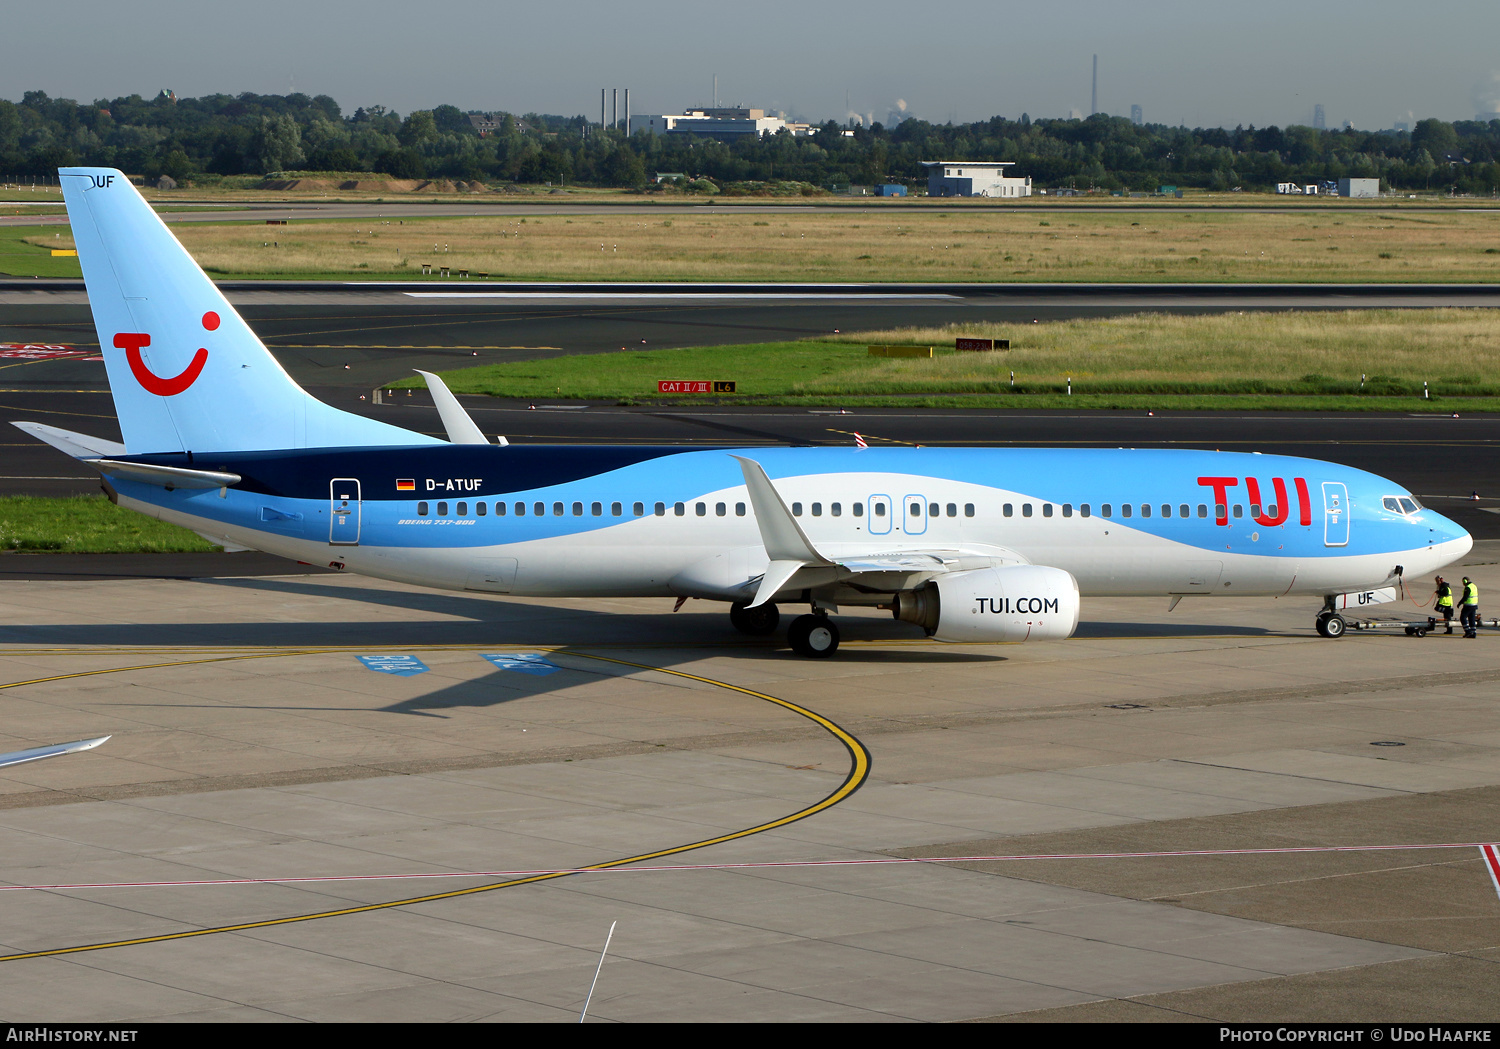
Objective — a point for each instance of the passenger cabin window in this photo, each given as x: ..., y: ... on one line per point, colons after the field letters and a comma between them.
x: 597, y: 509
x: 836, y: 509
x: 1145, y: 509
x: 701, y: 509
x: 796, y: 509
x: 679, y: 509
x: 557, y: 509
x: 1067, y: 509
x: 539, y: 509
x: 1203, y: 510
x: 858, y: 509
x: 1025, y: 509
x: 1084, y: 510
x: 442, y: 510
x: 1008, y: 510
x: 1239, y: 511
x: 1220, y: 511
x: 638, y: 509
x: 1046, y: 509
x: 952, y: 509
x: 421, y: 509
x: 577, y: 509
x: 1166, y: 509
x: 879, y: 509
x: 1106, y: 510
x: 934, y: 510
x: 520, y: 509
x: 739, y: 509
x: 1126, y: 509
x: 500, y: 509
x: 720, y: 509
x: 817, y: 509
x: 617, y: 510
x: 916, y: 509
x: 463, y: 509
x: 1182, y: 511
x: 481, y: 509
x: 968, y: 509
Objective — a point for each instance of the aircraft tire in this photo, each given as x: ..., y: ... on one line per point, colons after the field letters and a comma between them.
x: 1332, y: 626
x: 760, y: 621
x: 813, y: 636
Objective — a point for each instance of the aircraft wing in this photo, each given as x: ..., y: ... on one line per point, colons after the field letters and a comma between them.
x: 795, y: 561
x: 20, y: 757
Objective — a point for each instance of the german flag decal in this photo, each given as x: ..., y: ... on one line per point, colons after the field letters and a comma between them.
x: 406, y: 484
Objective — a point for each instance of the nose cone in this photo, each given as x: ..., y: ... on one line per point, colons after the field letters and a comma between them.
x: 1447, y: 539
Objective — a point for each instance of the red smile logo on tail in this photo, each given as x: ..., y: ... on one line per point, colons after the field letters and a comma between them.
x: 132, y: 342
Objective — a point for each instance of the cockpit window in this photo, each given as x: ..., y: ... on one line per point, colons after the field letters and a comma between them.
x: 1392, y: 504
x: 1409, y: 504
x: 1401, y: 504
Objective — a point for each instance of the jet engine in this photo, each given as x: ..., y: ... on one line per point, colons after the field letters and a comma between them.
x: 1011, y: 603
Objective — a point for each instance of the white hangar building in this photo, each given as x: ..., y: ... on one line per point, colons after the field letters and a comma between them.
x: 969, y: 178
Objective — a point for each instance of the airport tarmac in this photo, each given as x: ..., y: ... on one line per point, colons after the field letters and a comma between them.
x: 251, y: 745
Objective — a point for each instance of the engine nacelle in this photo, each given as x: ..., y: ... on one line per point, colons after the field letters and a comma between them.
x: 1013, y: 603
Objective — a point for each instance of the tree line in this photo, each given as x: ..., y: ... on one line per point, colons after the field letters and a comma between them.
x: 248, y: 134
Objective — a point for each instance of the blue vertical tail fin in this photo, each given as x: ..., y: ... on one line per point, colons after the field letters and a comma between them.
x: 186, y: 372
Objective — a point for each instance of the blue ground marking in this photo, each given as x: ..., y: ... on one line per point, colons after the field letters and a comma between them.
x: 402, y: 666
x: 524, y: 662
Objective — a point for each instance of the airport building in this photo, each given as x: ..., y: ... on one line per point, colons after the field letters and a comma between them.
x: 967, y: 178
x: 720, y: 122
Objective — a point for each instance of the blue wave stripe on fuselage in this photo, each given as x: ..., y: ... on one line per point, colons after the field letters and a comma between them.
x: 291, y: 483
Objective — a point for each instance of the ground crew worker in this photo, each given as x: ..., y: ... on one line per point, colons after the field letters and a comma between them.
x: 1444, y: 606
x: 1468, y: 615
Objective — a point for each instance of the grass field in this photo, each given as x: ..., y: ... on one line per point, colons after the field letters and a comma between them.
x: 87, y: 524
x: 1357, y: 360
x: 875, y: 244
x: 25, y: 251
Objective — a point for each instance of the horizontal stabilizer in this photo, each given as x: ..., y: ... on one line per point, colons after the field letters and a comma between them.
x: 78, y: 445
x: 20, y: 757
x: 165, y: 476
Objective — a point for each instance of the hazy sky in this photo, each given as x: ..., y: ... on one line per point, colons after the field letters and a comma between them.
x: 1197, y: 63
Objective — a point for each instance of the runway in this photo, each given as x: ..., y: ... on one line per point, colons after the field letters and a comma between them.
x: 252, y: 743
x: 344, y: 350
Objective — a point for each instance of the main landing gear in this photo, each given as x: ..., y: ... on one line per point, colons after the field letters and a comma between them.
x: 1330, y: 624
x: 813, y: 635
x: 760, y: 621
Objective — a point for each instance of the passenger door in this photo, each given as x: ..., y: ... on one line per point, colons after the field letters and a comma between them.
x: 879, y: 511
x: 343, y: 512
x: 1335, y: 514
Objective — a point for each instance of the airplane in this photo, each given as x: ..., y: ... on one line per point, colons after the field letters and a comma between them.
x: 968, y: 544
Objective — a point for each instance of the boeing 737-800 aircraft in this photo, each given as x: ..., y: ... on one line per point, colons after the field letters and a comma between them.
x: 970, y: 544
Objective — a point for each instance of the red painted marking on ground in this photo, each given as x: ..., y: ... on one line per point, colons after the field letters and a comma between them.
x: 1491, y: 854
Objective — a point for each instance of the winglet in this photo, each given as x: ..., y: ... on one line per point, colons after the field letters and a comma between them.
x: 786, y: 544
x: 779, y: 531
x: 461, y: 428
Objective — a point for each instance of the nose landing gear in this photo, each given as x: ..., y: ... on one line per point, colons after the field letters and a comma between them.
x: 1330, y: 624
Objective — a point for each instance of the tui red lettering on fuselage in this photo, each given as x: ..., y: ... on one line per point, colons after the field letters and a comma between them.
x: 1268, y: 515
